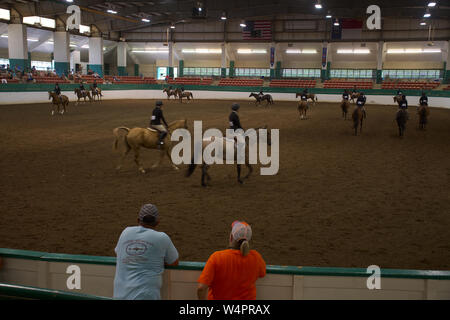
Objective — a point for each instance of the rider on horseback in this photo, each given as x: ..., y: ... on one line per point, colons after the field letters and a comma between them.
x: 304, y: 95
x: 235, y: 123
x: 155, y: 122
x: 360, y: 102
x: 423, y: 101
x: 82, y: 89
x: 94, y: 85
x: 345, y: 95
x: 399, y: 92
x: 58, y: 90
x: 403, y: 105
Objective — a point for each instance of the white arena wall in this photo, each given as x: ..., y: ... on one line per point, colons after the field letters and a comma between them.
x: 7, y: 98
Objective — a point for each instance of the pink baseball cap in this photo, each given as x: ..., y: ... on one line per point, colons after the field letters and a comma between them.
x: 241, y: 230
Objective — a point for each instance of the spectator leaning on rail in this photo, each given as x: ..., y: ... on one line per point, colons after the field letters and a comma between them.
x: 231, y: 274
x: 142, y: 253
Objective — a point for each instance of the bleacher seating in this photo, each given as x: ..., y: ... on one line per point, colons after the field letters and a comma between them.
x: 293, y: 83
x: 241, y: 82
x: 446, y: 88
x: 191, y: 81
x: 130, y: 80
x: 89, y: 79
x: 49, y: 79
x: 413, y: 85
x: 347, y: 84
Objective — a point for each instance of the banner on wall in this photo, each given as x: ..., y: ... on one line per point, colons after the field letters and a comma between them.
x: 272, y: 56
x: 324, y: 57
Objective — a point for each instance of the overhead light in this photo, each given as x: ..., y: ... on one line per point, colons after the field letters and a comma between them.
x: 432, y: 4
x: 86, y: 46
x: 353, y: 51
x: 145, y: 20
x: 4, y: 36
x: 427, y: 14
x: 303, y: 51
x: 318, y: 5
x: 73, y: 45
x: 151, y: 50
x: 200, y: 9
x: 251, y: 51
x: 336, y: 22
x: 111, y: 11
x: 172, y: 26
x: 412, y: 51
x: 33, y: 40
x: 423, y: 23
x: 243, y: 25
x: 70, y: 1
x: 200, y: 50
x: 328, y: 16
x: 223, y: 16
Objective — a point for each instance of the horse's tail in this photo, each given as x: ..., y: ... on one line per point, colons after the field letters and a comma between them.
x: 191, y: 168
x: 116, y: 135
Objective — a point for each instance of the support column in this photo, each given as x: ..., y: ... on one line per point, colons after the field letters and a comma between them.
x: 380, y: 61
x: 232, y: 73
x: 17, y: 46
x: 278, y: 62
x: 446, y: 74
x: 96, y: 55
x: 136, y: 70
x: 75, y: 58
x: 181, y: 68
x: 121, y: 58
x: 61, y: 52
x: 170, y: 60
x: 272, y: 60
x: 223, y: 66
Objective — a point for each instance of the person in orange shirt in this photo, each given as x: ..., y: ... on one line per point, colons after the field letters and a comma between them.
x: 231, y: 274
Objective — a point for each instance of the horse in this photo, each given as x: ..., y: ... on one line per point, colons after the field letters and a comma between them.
x: 231, y: 144
x: 345, y: 105
x: 80, y: 95
x: 423, y: 113
x: 96, y: 92
x: 170, y: 93
x: 147, y: 138
x: 397, y: 98
x: 184, y: 94
x: 63, y: 101
x: 311, y: 96
x: 354, y: 96
x: 401, y: 117
x: 259, y: 98
x: 358, y: 117
x: 302, y: 108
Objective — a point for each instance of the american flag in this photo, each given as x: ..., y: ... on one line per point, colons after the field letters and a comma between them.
x: 257, y: 30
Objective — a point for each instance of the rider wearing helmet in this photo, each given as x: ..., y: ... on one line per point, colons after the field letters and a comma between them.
x: 360, y: 102
x: 94, y: 85
x: 235, y: 123
x: 155, y: 122
x: 82, y: 89
x: 403, y: 105
x: 345, y: 95
x: 423, y: 101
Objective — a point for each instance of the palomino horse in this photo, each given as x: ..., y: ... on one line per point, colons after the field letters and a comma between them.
x: 358, y: 117
x: 345, y: 105
x: 147, y: 138
x: 423, y: 113
x: 96, y: 92
x: 310, y: 96
x: 231, y: 144
x: 170, y: 93
x: 80, y: 95
x: 184, y: 94
x: 259, y: 98
x: 58, y: 101
x: 401, y: 118
x: 302, y: 108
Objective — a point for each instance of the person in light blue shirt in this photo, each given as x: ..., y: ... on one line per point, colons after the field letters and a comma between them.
x: 142, y: 253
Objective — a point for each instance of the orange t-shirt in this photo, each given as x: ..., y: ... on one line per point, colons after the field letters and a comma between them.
x: 231, y: 276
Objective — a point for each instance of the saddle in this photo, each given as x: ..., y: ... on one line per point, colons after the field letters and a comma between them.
x: 152, y: 130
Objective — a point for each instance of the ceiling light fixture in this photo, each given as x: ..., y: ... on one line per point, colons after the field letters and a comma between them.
x: 432, y: 3
x: 318, y: 5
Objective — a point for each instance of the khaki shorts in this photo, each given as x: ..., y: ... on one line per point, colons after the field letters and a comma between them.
x: 159, y: 127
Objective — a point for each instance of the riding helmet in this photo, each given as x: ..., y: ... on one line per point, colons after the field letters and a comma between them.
x: 159, y: 103
x: 235, y: 107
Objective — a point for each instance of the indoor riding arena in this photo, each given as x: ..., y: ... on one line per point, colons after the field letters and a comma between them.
x: 369, y: 187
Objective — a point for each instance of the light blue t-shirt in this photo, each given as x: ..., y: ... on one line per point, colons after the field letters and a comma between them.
x: 141, y: 253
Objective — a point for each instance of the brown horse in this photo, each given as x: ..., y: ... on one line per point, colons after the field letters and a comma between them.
x: 96, y: 93
x: 423, y: 113
x: 147, y: 138
x: 401, y: 117
x: 58, y: 101
x: 80, y: 95
x: 302, y: 108
x: 170, y: 93
x: 259, y: 98
x: 345, y: 105
x: 358, y: 117
x: 184, y: 94
x: 311, y: 96
x: 231, y: 144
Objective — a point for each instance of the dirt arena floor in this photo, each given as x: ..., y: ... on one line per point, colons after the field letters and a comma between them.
x: 337, y: 200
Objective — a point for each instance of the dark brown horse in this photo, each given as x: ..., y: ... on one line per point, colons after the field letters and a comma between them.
x: 401, y: 118
x: 85, y: 94
x: 170, y: 93
x: 96, y: 92
x: 423, y: 113
x: 259, y: 98
x: 302, y: 108
x: 357, y: 117
x: 184, y: 94
x: 310, y: 96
